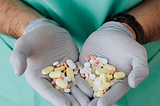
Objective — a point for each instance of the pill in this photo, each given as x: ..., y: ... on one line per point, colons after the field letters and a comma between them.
x: 53, y: 83
x: 87, y: 58
x: 65, y: 65
x: 104, y: 86
x: 68, y: 79
x: 55, y: 63
x: 76, y: 71
x: 87, y: 70
x: 96, y: 84
x: 99, y: 94
x: 69, y: 72
x: 68, y: 86
x: 70, y: 63
x: 89, y: 81
x: 96, y: 61
x: 61, y: 78
x: 92, y: 76
x: 94, y: 94
x: 100, y: 71
x: 47, y: 70
x: 87, y: 64
x: 65, y: 80
x: 109, y: 67
x: 79, y: 65
x: 55, y: 74
x: 119, y: 75
x: 58, y: 65
x: 102, y: 77
x: 96, y: 64
x: 59, y: 89
x: 74, y: 81
x: 104, y: 91
x: 63, y: 61
x: 102, y: 60
x: 64, y: 71
x: 67, y: 90
x: 100, y: 64
x: 61, y: 83
x: 83, y: 75
x: 59, y: 68
x: 109, y: 76
x: 91, y: 61
x: 93, y: 57
x: 86, y: 74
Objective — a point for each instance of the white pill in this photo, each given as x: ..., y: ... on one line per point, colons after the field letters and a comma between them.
x: 55, y: 63
x: 68, y: 79
x: 87, y: 70
x: 63, y: 75
x: 65, y: 80
x: 70, y: 63
x: 91, y: 61
x: 87, y: 64
x: 86, y: 75
x: 102, y: 60
x: 82, y: 71
x: 92, y: 76
x: 96, y: 84
x: 67, y: 90
x: 100, y: 64
x: 94, y: 94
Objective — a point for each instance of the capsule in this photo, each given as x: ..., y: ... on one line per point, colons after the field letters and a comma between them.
x: 55, y: 74
x: 104, y: 86
x: 47, y: 70
x: 61, y: 83
x: 60, y: 68
x: 119, y: 75
x: 69, y: 72
x: 100, y: 71
x: 70, y: 63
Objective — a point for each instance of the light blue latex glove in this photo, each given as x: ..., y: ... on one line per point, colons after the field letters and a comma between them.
x: 43, y: 43
x: 114, y: 42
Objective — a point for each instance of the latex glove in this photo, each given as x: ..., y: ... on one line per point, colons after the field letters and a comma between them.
x: 43, y: 43
x: 114, y: 42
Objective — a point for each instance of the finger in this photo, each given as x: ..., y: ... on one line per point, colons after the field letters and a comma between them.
x: 82, y: 99
x: 139, y: 73
x: 46, y: 90
x: 84, y: 86
x: 72, y: 100
x: 93, y: 102
x: 19, y: 55
x: 114, y: 93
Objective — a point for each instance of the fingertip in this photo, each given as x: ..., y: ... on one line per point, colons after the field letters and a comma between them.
x: 132, y: 81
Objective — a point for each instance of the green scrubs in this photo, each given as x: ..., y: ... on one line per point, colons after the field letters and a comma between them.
x: 80, y: 18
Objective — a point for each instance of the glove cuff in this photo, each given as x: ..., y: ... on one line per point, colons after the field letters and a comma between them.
x: 38, y: 22
x: 117, y: 26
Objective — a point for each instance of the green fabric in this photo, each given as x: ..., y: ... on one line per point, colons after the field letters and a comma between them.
x: 80, y: 18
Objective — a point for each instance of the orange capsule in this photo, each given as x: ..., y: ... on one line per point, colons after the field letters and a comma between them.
x: 83, y: 75
x: 111, y: 72
x: 96, y: 64
x: 96, y: 61
x: 68, y: 86
x: 53, y: 82
x: 93, y: 57
x: 104, y: 91
x: 87, y: 58
x: 64, y: 71
x: 65, y: 65
x: 58, y: 65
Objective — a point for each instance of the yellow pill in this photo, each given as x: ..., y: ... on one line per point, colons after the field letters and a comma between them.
x: 55, y: 74
x: 100, y: 71
x: 61, y: 83
x: 69, y: 72
x: 60, y: 68
x: 104, y: 86
x: 109, y: 67
x: 99, y: 94
x: 89, y: 81
x: 47, y: 70
x: 119, y: 75
x: 102, y: 78
x: 109, y: 76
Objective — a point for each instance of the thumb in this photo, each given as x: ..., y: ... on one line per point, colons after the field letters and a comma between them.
x: 139, y: 73
x: 18, y: 58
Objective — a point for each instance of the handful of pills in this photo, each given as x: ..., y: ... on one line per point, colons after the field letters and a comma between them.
x: 99, y: 74
x: 61, y: 73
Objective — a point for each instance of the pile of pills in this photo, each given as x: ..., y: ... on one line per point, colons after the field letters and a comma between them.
x: 96, y: 71
x: 61, y: 73
x: 99, y: 74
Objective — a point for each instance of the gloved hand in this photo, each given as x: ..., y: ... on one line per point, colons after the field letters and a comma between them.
x: 43, y: 43
x: 114, y: 42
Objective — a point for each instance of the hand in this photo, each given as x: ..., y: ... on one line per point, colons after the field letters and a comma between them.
x: 114, y: 42
x: 44, y: 43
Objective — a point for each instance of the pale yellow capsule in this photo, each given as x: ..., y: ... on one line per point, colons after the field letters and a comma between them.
x: 89, y: 81
x: 102, y: 78
x: 60, y: 68
x: 100, y: 71
x: 119, y: 75
x: 61, y: 83
x: 99, y: 94
x: 109, y: 67
x: 109, y: 76
x: 47, y: 70
x: 104, y: 86
x: 69, y: 72
x: 55, y: 74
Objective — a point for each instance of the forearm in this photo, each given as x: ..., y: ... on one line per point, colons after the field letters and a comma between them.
x: 147, y: 14
x: 15, y: 16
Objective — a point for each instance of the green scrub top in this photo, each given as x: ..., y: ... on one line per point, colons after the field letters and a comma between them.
x: 80, y: 18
